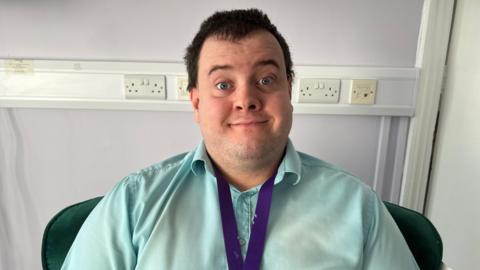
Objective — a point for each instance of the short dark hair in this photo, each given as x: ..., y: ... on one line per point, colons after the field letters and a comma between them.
x: 232, y: 25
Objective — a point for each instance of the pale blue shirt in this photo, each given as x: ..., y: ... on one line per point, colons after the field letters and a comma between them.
x: 167, y: 217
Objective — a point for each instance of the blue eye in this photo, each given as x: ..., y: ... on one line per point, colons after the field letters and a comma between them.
x: 266, y: 80
x: 223, y: 86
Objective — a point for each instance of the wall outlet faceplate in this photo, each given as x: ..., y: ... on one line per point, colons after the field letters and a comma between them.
x: 145, y: 87
x: 319, y: 91
x: 362, y: 92
x: 181, y: 84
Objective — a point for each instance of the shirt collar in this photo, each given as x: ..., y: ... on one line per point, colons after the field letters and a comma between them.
x: 201, y: 162
x: 290, y: 167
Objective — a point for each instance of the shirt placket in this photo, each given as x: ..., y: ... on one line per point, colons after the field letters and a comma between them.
x: 244, y: 213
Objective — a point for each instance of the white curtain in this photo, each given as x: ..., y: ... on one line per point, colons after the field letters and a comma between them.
x: 20, y: 231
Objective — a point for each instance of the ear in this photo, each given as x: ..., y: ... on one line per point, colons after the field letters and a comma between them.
x: 290, y: 81
x: 290, y: 87
x: 195, y: 101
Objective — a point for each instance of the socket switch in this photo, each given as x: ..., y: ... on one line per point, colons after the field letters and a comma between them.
x: 319, y: 91
x: 145, y: 87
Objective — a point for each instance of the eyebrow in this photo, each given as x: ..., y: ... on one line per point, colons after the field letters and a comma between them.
x: 266, y: 62
x: 219, y: 67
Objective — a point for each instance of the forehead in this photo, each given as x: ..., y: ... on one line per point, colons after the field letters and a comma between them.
x: 256, y: 46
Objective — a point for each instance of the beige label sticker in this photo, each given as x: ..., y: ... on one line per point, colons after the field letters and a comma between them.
x: 22, y: 66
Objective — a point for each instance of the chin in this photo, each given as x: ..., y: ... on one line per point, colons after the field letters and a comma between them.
x: 253, y: 150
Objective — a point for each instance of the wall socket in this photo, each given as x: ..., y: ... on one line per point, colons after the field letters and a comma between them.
x: 362, y: 92
x: 319, y: 91
x: 145, y: 87
x: 181, y: 84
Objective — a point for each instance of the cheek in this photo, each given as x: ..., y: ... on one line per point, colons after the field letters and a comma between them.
x: 282, y: 107
x: 212, y: 111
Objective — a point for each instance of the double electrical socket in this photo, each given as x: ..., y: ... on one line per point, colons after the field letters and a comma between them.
x: 319, y: 91
x: 145, y: 87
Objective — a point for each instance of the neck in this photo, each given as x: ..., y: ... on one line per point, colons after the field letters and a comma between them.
x: 245, y: 177
x: 245, y: 180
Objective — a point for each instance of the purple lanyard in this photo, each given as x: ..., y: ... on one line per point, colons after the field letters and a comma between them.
x: 259, y: 225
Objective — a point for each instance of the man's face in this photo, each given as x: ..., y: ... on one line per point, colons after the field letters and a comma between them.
x: 242, y: 99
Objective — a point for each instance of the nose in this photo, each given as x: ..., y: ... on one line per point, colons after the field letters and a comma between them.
x: 247, y: 98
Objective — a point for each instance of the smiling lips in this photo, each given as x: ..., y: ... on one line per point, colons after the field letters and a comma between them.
x: 248, y: 123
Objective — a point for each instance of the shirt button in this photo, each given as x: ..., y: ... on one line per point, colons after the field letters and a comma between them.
x: 242, y: 242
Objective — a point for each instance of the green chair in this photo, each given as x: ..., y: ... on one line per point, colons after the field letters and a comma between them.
x: 61, y: 231
x: 421, y: 236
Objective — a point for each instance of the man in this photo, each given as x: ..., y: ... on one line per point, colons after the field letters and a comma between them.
x: 244, y: 199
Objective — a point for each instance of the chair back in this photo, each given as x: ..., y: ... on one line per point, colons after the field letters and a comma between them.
x: 61, y: 231
x: 421, y: 236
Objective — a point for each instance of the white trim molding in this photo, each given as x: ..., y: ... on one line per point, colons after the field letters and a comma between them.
x: 431, y: 56
x: 100, y: 85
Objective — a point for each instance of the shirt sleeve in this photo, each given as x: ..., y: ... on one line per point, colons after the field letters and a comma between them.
x: 385, y: 247
x: 105, y: 239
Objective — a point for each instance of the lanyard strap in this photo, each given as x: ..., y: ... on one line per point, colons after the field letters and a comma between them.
x: 258, y: 229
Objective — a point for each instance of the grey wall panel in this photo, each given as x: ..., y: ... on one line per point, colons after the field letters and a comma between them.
x: 54, y: 158
x: 347, y: 141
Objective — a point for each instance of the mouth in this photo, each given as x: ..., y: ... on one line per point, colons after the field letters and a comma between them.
x: 248, y: 123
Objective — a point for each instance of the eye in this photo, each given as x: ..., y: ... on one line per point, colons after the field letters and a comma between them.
x: 223, y: 86
x: 266, y: 80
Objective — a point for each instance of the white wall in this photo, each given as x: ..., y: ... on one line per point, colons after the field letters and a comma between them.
x: 52, y: 158
x: 341, y: 32
x: 453, y: 199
